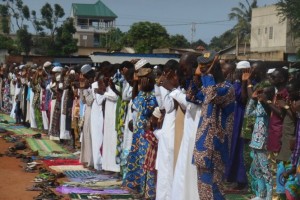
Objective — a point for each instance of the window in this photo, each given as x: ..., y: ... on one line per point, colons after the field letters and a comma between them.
x: 271, y: 32
x: 258, y: 31
x: 266, y: 30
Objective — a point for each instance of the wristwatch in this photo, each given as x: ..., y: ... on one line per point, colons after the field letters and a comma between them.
x: 286, y: 107
x: 269, y: 102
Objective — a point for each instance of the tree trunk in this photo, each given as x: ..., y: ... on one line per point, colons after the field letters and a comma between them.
x: 237, y: 46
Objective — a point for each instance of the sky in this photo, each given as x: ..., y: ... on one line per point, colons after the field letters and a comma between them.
x: 177, y: 16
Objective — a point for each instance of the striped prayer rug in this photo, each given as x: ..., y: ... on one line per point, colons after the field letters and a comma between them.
x: 47, y: 148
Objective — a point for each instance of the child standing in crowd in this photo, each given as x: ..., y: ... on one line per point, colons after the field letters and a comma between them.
x: 261, y: 181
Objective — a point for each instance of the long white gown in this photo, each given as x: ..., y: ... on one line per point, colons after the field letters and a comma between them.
x: 32, y: 115
x: 64, y: 134
x: 44, y: 113
x: 185, y: 176
x: 16, y: 91
x: 110, y: 133
x: 97, y: 126
x: 165, y: 152
x: 127, y: 138
x: 86, y: 155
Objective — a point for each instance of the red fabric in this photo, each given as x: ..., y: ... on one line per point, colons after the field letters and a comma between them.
x: 275, y: 124
x: 61, y: 162
x: 151, y: 154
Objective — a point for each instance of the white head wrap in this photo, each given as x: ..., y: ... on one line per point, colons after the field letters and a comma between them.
x: 140, y: 64
x: 156, y: 113
x: 243, y: 65
x: 270, y: 71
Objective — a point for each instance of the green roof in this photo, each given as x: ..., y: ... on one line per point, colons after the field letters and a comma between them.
x: 98, y: 9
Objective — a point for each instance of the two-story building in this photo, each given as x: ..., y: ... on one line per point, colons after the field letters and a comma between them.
x: 271, y: 37
x: 92, y: 22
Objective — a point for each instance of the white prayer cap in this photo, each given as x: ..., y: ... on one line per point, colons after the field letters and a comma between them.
x: 243, y: 65
x: 155, y: 67
x: 85, y: 68
x: 72, y: 72
x: 292, y: 70
x: 285, y: 67
x: 57, y: 69
x: 21, y: 66
x: 270, y: 71
x: 47, y: 64
x: 156, y: 113
x: 140, y: 64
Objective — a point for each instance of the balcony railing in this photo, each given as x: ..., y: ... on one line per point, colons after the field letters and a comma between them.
x: 86, y: 28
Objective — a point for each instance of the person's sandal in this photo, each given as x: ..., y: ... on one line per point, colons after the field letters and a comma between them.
x: 36, y: 187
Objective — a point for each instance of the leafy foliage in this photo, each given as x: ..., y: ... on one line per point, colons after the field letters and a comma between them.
x: 6, y: 43
x: 24, y: 40
x: 179, y: 41
x: 225, y: 40
x: 290, y: 9
x: 242, y: 14
x: 4, y: 13
x: 199, y: 42
x: 146, y: 36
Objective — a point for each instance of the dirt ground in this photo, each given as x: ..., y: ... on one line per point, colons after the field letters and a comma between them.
x: 13, y: 180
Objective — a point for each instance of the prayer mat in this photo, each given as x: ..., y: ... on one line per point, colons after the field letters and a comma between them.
x: 74, y: 196
x: 239, y: 196
x: 47, y: 148
x: 98, y: 177
x: 62, y: 168
x: 7, y: 118
x: 17, y: 129
x: 83, y: 190
x: 79, y: 173
x: 96, y: 184
x: 61, y: 162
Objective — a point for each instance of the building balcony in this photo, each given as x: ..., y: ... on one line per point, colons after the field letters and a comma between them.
x: 92, y: 29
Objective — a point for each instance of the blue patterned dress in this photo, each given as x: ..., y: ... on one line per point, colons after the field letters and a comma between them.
x: 261, y: 177
x: 236, y: 170
x: 137, y: 178
x: 213, y: 136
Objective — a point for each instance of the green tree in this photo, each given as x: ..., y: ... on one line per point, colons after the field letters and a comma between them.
x: 6, y: 43
x: 290, y: 9
x: 225, y: 40
x: 199, y: 42
x: 146, y: 36
x: 4, y: 13
x: 113, y: 40
x: 64, y: 38
x: 24, y: 40
x: 50, y: 17
x: 18, y: 11
x: 179, y: 41
x: 242, y: 14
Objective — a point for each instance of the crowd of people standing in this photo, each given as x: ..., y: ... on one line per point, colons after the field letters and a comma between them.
x: 175, y: 131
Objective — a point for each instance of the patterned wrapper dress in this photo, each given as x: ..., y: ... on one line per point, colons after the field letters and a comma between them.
x: 212, y: 144
x: 137, y: 178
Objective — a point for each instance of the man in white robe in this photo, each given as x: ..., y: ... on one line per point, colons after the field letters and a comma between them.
x: 97, y: 121
x: 185, y: 176
x: 165, y: 153
x: 110, y: 133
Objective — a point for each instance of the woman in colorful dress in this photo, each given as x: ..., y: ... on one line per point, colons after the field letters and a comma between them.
x: 214, y: 132
x: 137, y: 178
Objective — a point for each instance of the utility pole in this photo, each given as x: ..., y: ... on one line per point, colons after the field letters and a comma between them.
x: 193, y: 31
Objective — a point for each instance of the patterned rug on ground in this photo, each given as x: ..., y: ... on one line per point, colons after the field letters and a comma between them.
x: 74, y: 196
x: 17, y: 129
x: 239, y: 196
x: 48, y: 148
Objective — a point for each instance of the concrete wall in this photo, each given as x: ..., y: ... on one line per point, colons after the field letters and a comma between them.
x: 265, y: 19
x: 87, y: 51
